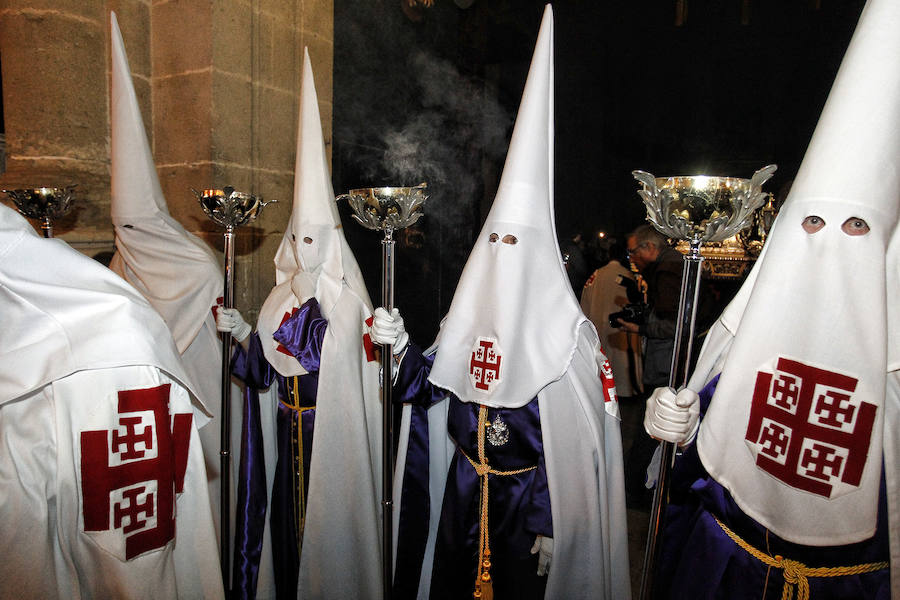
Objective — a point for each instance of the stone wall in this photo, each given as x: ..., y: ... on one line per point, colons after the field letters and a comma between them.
x: 218, y: 82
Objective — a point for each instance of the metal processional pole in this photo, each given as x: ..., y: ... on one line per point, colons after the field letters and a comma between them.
x: 696, y: 209
x: 42, y: 203
x: 387, y: 209
x: 230, y: 209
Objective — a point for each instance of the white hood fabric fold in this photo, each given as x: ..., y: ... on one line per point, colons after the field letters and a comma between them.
x: 795, y: 429
x: 52, y: 298
x: 175, y: 270
x: 489, y: 354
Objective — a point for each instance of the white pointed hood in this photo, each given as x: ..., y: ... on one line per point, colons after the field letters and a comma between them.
x: 175, y: 270
x: 512, y: 325
x: 794, y: 430
x: 313, y: 258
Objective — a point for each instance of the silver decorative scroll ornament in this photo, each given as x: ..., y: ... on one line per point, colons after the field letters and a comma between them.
x: 44, y: 204
x: 230, y: 209
x: 387, y: 209
x: 697, y: 209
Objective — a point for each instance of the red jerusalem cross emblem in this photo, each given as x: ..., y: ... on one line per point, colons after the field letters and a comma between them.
x: 131, y: 473
x: 484, y: 364
x: 808, y: 429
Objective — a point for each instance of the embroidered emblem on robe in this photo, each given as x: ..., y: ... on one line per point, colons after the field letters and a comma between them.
x: 484, y: 364
x: 808, y: 429
x: 131, y: 473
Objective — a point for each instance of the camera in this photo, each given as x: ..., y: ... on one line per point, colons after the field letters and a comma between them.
x: 633, y: 313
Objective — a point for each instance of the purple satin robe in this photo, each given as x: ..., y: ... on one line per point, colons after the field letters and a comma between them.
x: 699, y: 561
x: 519, y: 505
x: 302, y: 336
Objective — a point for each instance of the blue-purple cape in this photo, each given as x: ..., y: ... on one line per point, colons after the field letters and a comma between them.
x: 519, y: 505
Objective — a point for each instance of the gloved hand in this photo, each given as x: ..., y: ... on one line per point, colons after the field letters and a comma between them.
x: 672, y: 417
x: 387, y: 328
x: 543, y: 547
x: 229, y: 320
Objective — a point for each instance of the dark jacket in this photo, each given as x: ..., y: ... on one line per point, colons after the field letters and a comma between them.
x: 663, y: 278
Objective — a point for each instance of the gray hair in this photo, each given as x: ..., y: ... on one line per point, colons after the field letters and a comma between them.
x: 647, y: 234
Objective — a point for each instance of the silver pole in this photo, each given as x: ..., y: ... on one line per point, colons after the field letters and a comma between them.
x: 225, y: 425
x: 681, y: 355
x: 387, y: 416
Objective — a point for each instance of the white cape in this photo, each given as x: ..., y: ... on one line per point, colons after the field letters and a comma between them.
x: 341, y: 556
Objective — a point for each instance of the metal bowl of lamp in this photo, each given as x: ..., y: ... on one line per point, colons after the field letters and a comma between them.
x: 230, y: 208
x: 386, y: 208
x: 702, y: 208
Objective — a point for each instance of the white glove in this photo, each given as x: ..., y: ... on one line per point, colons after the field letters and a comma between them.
x: 543, y: 547
x: 229, y: 320
x: 387, y: 328
x: 672, y: 417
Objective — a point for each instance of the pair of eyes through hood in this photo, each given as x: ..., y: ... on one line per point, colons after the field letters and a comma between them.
x: 852, y: 226
x: 506, y: 239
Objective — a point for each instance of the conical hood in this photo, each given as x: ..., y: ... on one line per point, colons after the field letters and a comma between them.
x: 176, y: 271
x: 313, y: 258
x: 512, y: 325
x: 794, y: 430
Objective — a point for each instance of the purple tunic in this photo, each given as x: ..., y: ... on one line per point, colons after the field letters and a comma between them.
x: 699, y: 561
x: 301, y: 335
x: 519, y: 505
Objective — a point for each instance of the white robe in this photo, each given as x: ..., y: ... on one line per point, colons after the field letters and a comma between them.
x: 74, y: 337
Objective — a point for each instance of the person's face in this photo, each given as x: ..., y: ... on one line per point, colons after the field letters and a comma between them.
x: 639, y: 254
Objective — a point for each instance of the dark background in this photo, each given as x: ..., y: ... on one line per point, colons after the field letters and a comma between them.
x: 430, y: 94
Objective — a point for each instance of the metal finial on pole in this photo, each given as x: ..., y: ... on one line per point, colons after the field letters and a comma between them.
x: 697, y: 209
x: 230, y: 209
x: 387, y: 209
x: 43, y: 204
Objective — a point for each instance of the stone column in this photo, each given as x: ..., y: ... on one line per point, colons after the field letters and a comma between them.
x: 218, y: 82
x: 226, y: 84
x: 56, y: 106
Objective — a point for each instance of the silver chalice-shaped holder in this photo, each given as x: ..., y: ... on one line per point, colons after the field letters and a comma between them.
x: 43, y: 203
x: 230, y: 209
x: 697, y: 209
x: 387, y: 209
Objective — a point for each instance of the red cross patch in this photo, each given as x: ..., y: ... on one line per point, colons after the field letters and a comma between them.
x: 484, y: 364
x: 220, y: 301
x: 367, y: 341
x: 131, y: 473
x: 609, y: 382
x: 808, y: 429
x: 284, y: 319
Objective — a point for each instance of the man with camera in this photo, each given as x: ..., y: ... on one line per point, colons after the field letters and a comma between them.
x: 660, y: 266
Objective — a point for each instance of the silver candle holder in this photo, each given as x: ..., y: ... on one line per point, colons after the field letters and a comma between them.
x: 387, y: 209
x: 43, y: 203
x: 697, y: 209
x: 229, y: 209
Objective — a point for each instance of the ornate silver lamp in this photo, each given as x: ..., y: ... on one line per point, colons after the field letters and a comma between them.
x: 695, y: 209
x: 230, y: 209
x: 387, y: 209
x: 42, y: 203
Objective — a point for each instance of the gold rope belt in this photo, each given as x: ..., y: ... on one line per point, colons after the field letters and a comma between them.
x: 795, y: 572
x: 483, y: 586
x: 299, y: 504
